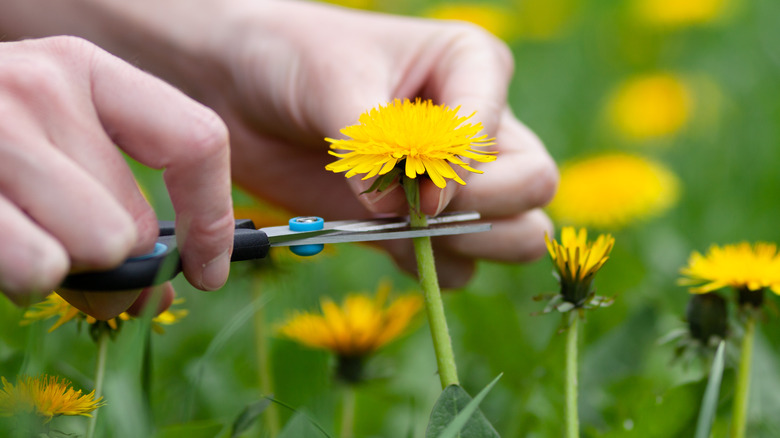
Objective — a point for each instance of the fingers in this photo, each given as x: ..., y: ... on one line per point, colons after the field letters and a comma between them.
x: 162, y: 128
x: 515, y: 239
x: 523, y: 177
x: 32, y: 262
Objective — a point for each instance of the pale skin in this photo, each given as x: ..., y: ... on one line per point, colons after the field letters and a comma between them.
x: 281, y: 76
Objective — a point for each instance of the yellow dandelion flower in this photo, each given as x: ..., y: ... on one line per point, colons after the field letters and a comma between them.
x: 424, y: 138
x: 360, y: 326
x: 676, y: 13
x: 577, y: 260
x: 169, y: 317
x: 46, y: 397
x: 612, y: 190
x: 56, y: 306
x: 496, y: 19
x: 650, y: 106
x: 742, y: 266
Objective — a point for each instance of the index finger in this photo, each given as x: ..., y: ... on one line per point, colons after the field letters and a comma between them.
x: 162, y: 128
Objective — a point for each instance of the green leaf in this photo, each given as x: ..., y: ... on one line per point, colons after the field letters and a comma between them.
x: 248, y: 416
x: 382, y: 182
x: 455, y: 414
x: 709, y: 402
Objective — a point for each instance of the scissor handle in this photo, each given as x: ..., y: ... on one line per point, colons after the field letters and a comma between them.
x: 163, y: 263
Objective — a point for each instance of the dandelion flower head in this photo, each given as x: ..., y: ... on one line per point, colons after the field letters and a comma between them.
x: 424, y: 138
x: 360, y: 326
x: 577, y: 260
x: 613, y: 190
x: 742, y: 266
x: 45, y: 396
x: 650, y: 106
x: 56, y: 306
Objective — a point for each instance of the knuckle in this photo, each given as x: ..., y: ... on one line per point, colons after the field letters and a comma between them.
x: 469, y: 36
x: 208, y: 136
x: 111, y: 245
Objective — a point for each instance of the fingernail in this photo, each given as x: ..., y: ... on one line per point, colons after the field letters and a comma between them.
x: 444, y: 198
x: 215, y: 272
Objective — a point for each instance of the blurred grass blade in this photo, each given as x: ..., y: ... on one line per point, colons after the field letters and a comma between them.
x: 248, y: 416
x: 710, y: 400
x: 456, y: 414
x: 297, y: 418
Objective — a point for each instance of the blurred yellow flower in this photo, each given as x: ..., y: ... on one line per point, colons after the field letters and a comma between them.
x: 577, y: 260
x: 46, y: 397
x: 742, y: 266
x: 357, y: 328
x: 679, y: 13
x: 422, y: 137
x: 496, y: 19
x: 650, y: 106
x: 612, y: 190
x: 55, y: 306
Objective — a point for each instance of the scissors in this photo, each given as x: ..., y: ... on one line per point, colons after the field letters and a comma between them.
x: 305, y: 235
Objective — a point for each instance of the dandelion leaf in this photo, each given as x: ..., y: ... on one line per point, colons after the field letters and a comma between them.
x: 457, y: 415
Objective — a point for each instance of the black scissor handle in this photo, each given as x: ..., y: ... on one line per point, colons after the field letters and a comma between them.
x: 164, y: 263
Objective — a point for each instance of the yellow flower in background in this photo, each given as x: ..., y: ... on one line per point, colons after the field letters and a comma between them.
x: 678, y: 13
x: 424, y: 138
x: 613, y: 190
x: 357, y: 328
x: 577, y: 260
x: 46, y: 397
x: 650, y: 106
x: 496, y: 19
x: 742, y: 266
x: 169, y: 316
x: 56, y: 306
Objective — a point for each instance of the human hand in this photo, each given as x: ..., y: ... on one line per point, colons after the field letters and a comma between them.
x: 298, y: 79
x: 68, y: 201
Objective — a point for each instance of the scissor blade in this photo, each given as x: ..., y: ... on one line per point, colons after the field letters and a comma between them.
x: 282, y: 236
x: 405, y: 232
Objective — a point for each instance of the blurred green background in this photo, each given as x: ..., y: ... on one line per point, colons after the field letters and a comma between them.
x: 571, y: 56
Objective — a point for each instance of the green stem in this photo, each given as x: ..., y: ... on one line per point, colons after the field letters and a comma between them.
x: 100, y: 370
x: 348, y: 406
x: 742, y: 389
x: 572, y: 418
x: 264, y: 361
x: 429, y: 281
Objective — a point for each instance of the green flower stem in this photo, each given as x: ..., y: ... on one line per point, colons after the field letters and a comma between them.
x: 264, y: 361
x: 742, y: 389
x: 348, y: 406
x: 572, y: 418
x: 100, y: 371
x: 429, y: 281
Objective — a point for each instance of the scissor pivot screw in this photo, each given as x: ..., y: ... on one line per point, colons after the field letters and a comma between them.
x: 306, y: 223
